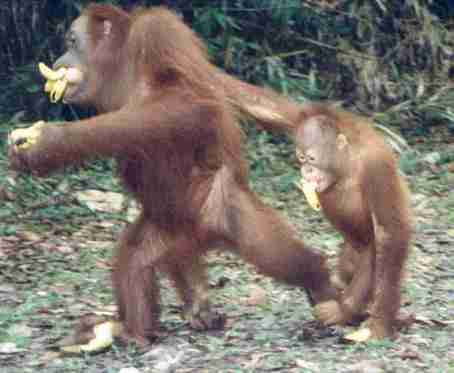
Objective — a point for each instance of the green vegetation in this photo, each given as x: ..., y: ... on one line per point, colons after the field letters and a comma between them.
x: 389, y: 59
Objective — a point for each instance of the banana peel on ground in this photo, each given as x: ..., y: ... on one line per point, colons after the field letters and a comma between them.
x: 358, y: 336
x: 93, y: 334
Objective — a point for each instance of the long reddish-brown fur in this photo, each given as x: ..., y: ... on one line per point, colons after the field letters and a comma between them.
x: 370, y: 208
x: 167, y: 115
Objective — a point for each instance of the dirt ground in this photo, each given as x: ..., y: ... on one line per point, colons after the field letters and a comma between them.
x: 55, y: 261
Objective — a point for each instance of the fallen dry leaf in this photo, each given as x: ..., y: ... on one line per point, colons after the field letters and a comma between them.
x: 366, y: 366
x: 255, y: 359
x: 129, y: 370
x: 49, y: 356
x: 313, y: 367
x: 28, y: 236
x: 9, y: 348
x: 109, y: 310
x: 409, y: 353
x: 20, y: 330
x: 433, y: 322
x: 101, y: 201
x: 256, y: 296
x: 104, y: 264
x: 450, y: 167
x: 63, y: 249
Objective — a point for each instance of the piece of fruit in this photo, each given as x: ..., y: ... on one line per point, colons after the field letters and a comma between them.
x: 58, y: 90
x: 360, y: 335
x: 104, y: 336
x: 23, y: 138
x: 310, y: 193
x: 58, y: 80
x: 49, y: 86
x: 50, y: 74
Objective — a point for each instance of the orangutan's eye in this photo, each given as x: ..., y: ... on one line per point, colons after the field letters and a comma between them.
x: 71, y: 41
x: 300, y: 156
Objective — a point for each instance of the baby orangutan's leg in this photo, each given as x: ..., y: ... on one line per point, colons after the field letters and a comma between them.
x: 353, y: 302
x: 347, y: 263
x: 386, y: 298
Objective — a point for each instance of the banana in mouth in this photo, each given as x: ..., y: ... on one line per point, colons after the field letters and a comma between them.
x: 57, y: 80
x: 310, y: 193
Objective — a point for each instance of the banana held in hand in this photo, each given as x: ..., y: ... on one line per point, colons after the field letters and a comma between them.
x: 58, y: 80
x: 310, y: 194
x: 104, y: 336
x: 23, y: 138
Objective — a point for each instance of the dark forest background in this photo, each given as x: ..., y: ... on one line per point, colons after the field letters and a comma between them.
x: 389, y: 59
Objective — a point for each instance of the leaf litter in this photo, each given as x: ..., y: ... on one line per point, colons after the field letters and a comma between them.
x: 54, y: 271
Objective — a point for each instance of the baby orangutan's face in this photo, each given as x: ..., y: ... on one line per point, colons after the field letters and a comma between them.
x: 312, y: 173
x: 321, y: 152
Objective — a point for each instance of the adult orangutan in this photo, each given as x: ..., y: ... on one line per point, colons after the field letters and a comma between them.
x: 355, y: 176
x: 165, y: 117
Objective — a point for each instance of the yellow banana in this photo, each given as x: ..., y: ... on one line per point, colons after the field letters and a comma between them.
x: 23, y: 138
x: 360, y: 335
x: 104, y: 335
x: 58, y: 80
x: 49, y: 86
x: 311, y: 195
x: 50, y: 74
x: 58, y: 88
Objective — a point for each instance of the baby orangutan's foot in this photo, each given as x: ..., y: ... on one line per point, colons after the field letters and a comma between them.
x: 330, y: 313
x: 373, y: 329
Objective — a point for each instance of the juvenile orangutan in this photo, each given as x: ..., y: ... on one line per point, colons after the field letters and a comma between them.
x: 353, y: 176
x: 166, y: 116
